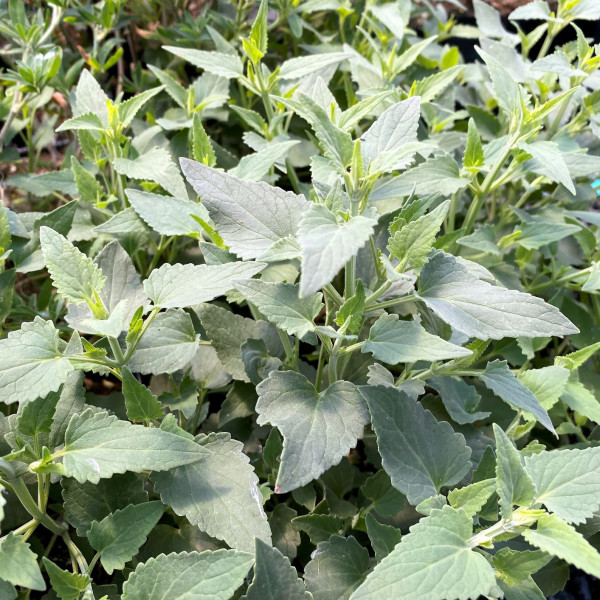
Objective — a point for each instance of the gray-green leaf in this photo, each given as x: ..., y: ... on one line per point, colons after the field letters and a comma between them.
x: 318, y: 428
x: 97, y: 445
x: 420, y: 454
x: 218, y: 493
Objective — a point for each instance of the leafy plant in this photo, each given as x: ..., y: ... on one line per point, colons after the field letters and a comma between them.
x: 359, y: 361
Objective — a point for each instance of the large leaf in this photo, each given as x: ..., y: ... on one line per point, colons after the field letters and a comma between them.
x: 420, y: 454
x: 280, y: 303
x: 155, y: 165
x: 169, y: 344
x: 318, y: 428
x: 74, y: 274
x: 178, y: 286
x: 503, y: 382
x: 188, y: 576
x: 31, y: 362
x: 394, y: 341
x: 119, y: 535
x: 18, y: 564
x: 249, y: 216
x: 337, y: 568
x: 274, y: 577
x: 218, y: 493
x: 479, y: 309
x: 433, y: 562
x: 97, y: 445
x: 554, y: 536
x: 327, y: 245
x: 567, y: 482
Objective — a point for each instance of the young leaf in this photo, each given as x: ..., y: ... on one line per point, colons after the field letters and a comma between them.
x: 411, y: 242
x: 502, y: 381
x: 89, y: 188
x: 215, y: 575
x: 31, y: 362
x: 420, y: 454
x: 554, y: 536
x: 318, y: 428
x: 218, y: 493
x: 473, y: 157
x: 119, y: 536
x: 91, y: 98
x: 515, y: 567
x: 337, y: 568
x: 18, y: 564
x: 178, y: 286
x: 129, y: 108
x: 384, y: 538
x: 88, y: 502
x: 302, y: 66
x: 394, y: 341
x: 223, y: 65
x: 274, y: 577
x: 434, y: 561
x: 327, y: 245
x: 513, y: 484
x: 254, y: 167
x: 394, y: 128
x: 169, y: 344
x: 473, y: 497
x: 142, y: 405
x: 97, y: 445
x: 37, y: 415
x: 352, y: 309
x: 228, y: 331
x: 481, y: 310
x: 74, y: 274
x: 460, y: 399
x: 68, y: 586
x: 281, y: 304
x: 167, y: 215
x: 202, y: 149
x: 567, y: 482
x: 154, y: 165
x: 250, y: 216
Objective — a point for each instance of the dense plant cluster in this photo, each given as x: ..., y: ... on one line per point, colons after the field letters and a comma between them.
x: 298, y: 300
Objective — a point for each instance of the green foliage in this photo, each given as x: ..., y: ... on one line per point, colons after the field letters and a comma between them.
x: 298, y: 300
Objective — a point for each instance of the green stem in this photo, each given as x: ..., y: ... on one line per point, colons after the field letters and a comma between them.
x: 320, y: 367
x: 131, y: 347
x: 22, y: 493
x: 116, y: 350
x: 391, y: 302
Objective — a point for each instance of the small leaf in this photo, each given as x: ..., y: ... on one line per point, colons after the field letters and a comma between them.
x: 223, y: 65
x: 473, y: 497
x: 119, y: 536
x: 68, y: 586
x: 384, y: 538
x: 394, y: 341
x: 318, y: 428
x: 142, y: 405
x: 274, y: 577
x: 280, y: 303
x: 554, y: 536
x: 515, y: 567
x: 352, y: 309
x: 74, y: 274
x: 473, y: 157
x: 460, y: 399
x: 502, y: 381
x: 513, y: 484
x: 201, y: 146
